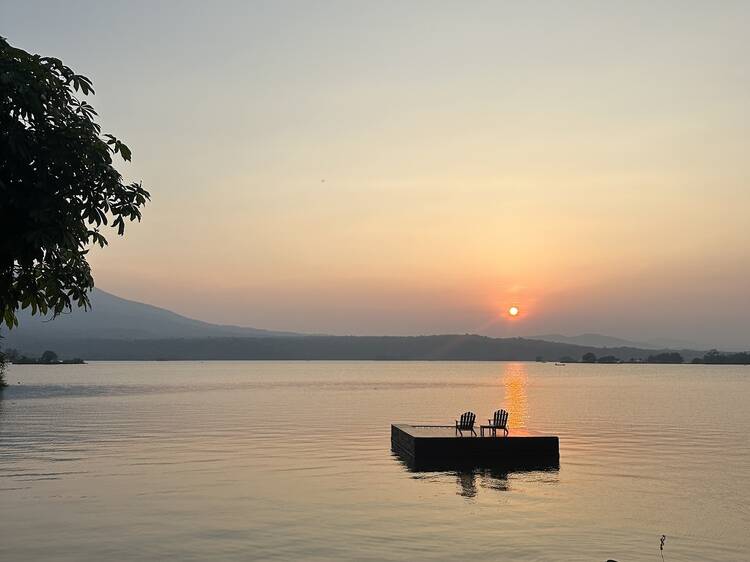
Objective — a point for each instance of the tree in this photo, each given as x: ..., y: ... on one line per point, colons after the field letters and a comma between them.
x: 58, y: 185
x: 714, y: 357
x: 48, y: 357
x: 608, y: 359
x: 588, y: 358
x: 666, y: 357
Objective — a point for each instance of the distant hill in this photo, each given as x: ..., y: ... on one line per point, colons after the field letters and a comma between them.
x: 599, y: 340
x: 422, y: 348
x: 112, y: 317
x: 120, y: 329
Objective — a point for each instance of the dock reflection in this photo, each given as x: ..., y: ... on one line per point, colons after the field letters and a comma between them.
x: 495, y: 472
x: 469, y: 481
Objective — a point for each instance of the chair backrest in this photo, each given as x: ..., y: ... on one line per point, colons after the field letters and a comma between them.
x: 501, y: 418
x: 467, y: 420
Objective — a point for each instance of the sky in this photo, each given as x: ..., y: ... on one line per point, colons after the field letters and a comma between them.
x: 419, y: 167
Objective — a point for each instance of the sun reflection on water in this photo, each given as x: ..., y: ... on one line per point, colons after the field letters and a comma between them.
x: 515, y: 380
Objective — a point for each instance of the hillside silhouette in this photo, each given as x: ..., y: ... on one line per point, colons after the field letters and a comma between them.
x: 112, y: 317
x: 397, y: 348
x: 122, y: 329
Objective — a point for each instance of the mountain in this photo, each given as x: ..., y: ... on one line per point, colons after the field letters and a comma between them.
x: 112, y: 317
x: 354, y: 348
x: 120, y: 329
x: 599, y: 340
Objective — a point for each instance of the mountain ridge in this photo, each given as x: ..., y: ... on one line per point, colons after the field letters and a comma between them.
x: 604, y: 341
x: 115, y: 317
x: 117, y: 328
x: 467, y: 347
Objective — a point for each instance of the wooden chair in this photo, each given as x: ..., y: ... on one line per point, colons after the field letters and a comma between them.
x: 466, y: 423
x: 498, y: 421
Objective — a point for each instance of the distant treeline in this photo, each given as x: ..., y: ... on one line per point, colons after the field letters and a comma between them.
x: 714, y: 357
x: 590, y: 357
x: 384, y: 348
x: 46, y: 358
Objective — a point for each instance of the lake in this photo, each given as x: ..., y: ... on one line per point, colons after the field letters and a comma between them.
x: 292, y: 461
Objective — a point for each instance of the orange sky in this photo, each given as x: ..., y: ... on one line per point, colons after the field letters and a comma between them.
x: 420, y: 168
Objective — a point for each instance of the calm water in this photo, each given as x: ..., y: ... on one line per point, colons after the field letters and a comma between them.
x: 291, y: 461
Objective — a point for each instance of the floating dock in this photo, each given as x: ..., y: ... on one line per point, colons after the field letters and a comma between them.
x: 431, y: 447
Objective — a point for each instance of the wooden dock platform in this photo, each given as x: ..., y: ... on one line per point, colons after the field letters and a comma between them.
x: 430, y: 447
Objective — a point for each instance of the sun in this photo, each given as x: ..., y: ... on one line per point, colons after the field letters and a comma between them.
x: 513, y: 311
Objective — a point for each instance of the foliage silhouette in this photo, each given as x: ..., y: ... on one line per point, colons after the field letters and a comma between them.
x: 58, y: 185
x: 666, y: 357
x: 589, y: 357
x: 48, y: 357
x: 714, y: 357
x: 608, y: 359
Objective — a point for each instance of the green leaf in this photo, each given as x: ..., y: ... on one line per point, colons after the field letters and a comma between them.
x: 53, y: 205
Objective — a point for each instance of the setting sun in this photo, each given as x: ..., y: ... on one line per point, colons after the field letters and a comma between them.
x: 355, y: 241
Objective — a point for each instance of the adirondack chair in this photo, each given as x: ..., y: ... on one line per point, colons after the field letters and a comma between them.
x: 498, y: 421
x: 466, y: 423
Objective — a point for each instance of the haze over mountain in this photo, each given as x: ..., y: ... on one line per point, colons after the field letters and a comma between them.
x: 117, y: 328
x: 112, y: 317
x: 600, y: 340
